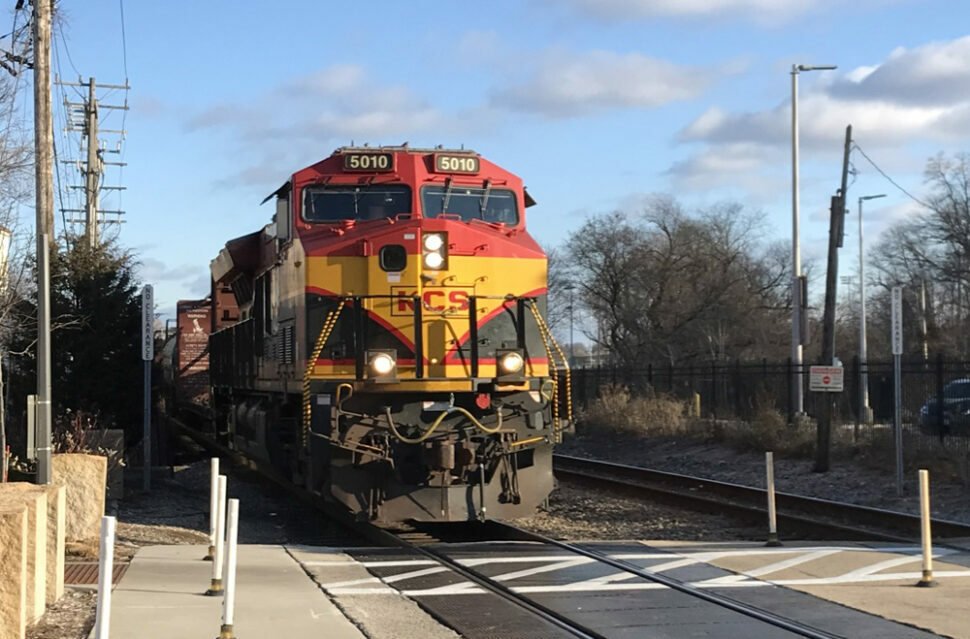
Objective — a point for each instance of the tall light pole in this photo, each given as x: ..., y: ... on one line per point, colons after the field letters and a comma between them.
x: 572, y: 349
x: 865, y: 413
x: 796, y: 346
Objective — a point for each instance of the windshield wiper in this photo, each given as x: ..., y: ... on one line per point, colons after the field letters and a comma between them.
x: 488, y: 190
x: 447, y: 198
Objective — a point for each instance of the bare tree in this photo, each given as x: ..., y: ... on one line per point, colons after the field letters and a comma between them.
x: 677, y: 287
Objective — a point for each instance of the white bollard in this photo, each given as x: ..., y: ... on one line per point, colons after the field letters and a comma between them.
x: 924, y: 510
x: 213, y: 505
x: 102, y: 623
x: 772, y: 515
x: 215, y: 588
x: 229, y: 600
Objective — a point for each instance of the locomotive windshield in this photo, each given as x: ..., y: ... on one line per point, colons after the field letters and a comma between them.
x: 491, y: 205
x: 355, y: 202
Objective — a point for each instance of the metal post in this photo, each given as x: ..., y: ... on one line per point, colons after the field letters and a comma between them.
x: 772, y: 515
x: 44, y: 224
x: 898, y: 420
x: 927, y: 538
x: 43, y: 402
x: 215, y: 588
x: 796, y: 353
x: 229, y: 600
x: 865, y: 413
x: 102, y: 621
x: 572, y: 343
x: 147, y: 354
x: 213, y: 506
x: 796, y: 338
x: 897, y: 340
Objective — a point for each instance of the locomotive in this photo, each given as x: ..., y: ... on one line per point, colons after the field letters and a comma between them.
x: 383, y: 340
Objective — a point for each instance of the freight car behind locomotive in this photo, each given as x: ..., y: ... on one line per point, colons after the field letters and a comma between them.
x: 383, y: 340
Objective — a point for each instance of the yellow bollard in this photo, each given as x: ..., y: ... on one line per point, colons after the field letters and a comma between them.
x: 696, y: 405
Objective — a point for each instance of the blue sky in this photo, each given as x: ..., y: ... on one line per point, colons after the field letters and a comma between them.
x: 595, y: 103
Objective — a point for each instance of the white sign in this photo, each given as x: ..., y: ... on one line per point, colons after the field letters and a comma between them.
x: 826, y: 379
x: 147, y: 323
x: 897, y: 320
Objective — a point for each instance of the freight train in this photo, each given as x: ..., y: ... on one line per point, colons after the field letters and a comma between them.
x: 383, y: 340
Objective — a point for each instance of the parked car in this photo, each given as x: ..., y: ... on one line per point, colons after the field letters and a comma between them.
x: 956, y: 410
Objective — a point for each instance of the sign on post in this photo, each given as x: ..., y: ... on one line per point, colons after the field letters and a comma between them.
x: 897, y: 329
x: 825, y: 379
x: 147, y: 323
x: 147, y: 353
x: 897, y: 320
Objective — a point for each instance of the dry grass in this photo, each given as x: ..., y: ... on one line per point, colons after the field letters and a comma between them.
x: 617, y: 410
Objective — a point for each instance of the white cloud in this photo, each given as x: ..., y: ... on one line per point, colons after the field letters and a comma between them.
x: 914, y: 95
x: 308, y: 116
x: 766, y: 11
x: 735, y: 165
x: 934, y: 74
x: 566, y: 83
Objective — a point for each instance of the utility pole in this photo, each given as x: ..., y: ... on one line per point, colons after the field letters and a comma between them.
x: 92, y: 173
x: 836, y: 229
x: 44, y: 202
x: 83, y: 118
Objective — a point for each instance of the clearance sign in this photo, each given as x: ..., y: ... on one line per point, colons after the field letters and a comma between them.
x: 434, y: 298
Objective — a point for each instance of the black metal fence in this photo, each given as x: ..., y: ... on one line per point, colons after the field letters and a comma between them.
x: 739, y: 390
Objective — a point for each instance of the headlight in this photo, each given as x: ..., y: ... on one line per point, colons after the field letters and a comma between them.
x: 381, y: 363
x: 511, y: 363
x: 434, y: 247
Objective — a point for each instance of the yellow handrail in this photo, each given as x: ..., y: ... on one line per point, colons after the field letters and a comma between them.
x: 325, y: 330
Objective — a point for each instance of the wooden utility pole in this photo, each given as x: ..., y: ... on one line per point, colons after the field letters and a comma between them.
x: 44, y: 202
x: 92, y: 174
x: 91, y: 216
x: 836, y: 228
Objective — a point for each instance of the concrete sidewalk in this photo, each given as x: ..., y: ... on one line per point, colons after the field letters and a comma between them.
x: 161, y: 597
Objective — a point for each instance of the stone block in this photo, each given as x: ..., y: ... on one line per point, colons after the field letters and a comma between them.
x: 56, y: 511
x: 84, y: 476
x: 13, y: 558
x: 35, y: 498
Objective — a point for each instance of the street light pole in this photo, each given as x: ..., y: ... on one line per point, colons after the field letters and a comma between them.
x: 572, y: 348
x: 865, y: 413
x: 796, y: 336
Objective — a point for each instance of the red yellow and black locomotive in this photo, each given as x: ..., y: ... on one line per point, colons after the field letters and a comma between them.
x: 383, y: 341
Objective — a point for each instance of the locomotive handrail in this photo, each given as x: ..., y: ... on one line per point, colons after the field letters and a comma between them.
x: 360, y: 335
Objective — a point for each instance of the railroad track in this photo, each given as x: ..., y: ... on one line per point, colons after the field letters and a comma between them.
x: 763, y: 621
x: 532, y: 617
x: 796, y: 513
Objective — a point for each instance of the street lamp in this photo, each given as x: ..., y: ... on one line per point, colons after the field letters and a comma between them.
x: 572, y: 352
x: 865, y: 413
x: 796, y: 346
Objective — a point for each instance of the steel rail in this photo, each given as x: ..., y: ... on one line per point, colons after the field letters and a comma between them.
x: 724, y: 601
x: 388, y: 538
x: 840, y: 517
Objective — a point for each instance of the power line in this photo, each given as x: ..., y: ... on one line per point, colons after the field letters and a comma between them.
x: 891, y: 181
x: 124, y: 43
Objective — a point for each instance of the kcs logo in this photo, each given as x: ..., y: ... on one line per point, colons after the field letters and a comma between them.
x: 434, y: 298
